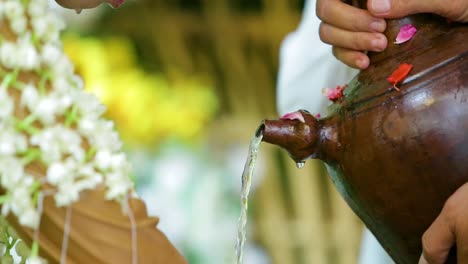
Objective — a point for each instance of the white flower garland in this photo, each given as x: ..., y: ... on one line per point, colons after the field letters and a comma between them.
x: 50, y: 121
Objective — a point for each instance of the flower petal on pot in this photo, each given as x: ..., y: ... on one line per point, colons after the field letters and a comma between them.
x: 293, y: 116
x: 116, y: 3
x: 406, y: 33
x: 333, y: 94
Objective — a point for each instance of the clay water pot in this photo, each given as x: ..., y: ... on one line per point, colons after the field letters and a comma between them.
x: 395, y: 156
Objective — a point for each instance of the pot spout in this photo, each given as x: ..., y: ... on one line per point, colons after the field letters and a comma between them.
x: 298, y: 136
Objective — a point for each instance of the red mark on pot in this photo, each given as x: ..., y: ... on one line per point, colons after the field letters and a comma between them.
x: 399, y: 74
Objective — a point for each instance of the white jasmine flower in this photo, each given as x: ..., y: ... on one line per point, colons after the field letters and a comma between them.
x: 21, y: 195
x: 66, y: 90
x: 89, y: 183
x: 51, y: 54
x: 6, y: 105
x: 45, y: 110
x: 47, y: 141
x: 28, y: 57
x: 21, y: 199
x: 30, y: 217
x: 13, y: 9
x: 56, y: 141
x: 77, y: 82
x: 108, y: 140
x: 58, y: 171
x: 89, y: 177
x: 8, y: 55
x: 23, y: 54
x: 118, y: 185
x: 88, y: 171
x: 63, y: 93
x: 89, y: 105
x: 86, y: 126
x: 18, y: 24
x: 103, y: 159
x: 61, y: 84
x: 67, y: 193
x: 11, y: 171
x: 29, y: 96
x: 100, y: 133
x: 77, y: 152
x: 35, y: 260
x: 64, y: 100
x: 68, y: 137
x: 38, y: 8
x: 63, y: 67
x: 40, y: 26
x: 120, y: 163
x: 47, y: 27
x: 117, y: 173
x: 12, y: 142
x: 71, y: 178
x: 6, y: 147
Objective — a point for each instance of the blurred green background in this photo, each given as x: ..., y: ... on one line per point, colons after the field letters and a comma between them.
x: 187, y: 83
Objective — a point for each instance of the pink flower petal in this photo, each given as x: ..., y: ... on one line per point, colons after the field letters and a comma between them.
x: 334, y: 94
x: 293, y: 116
x: 115, y: 3
x: 406, y: 33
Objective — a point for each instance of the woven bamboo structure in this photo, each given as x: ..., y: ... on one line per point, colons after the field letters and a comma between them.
x: 299, y: 217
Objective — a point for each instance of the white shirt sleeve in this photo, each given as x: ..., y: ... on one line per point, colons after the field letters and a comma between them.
x: 307, y: 65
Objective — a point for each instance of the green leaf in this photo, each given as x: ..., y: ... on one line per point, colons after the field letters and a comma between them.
x: 71, y: 116
x: 7, y: 258
x: 9, y: 78
x: 31, y: 155
x: 90, y: 153
x: 45, y: 76
x: 36, y: 189
x: 35, y: 249
x: 35, y: 40
x: 4, y: 198
x: 25, y: 125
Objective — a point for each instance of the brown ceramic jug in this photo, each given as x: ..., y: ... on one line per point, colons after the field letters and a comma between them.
x: 395, y: 156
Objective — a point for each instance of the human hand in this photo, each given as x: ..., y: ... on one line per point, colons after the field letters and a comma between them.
x: 352, y: 31
x: 85, y: 4
x: 456, y: 10
x: 448, y: 229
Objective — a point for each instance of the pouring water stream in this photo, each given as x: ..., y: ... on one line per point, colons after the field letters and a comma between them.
x: 246, y: 183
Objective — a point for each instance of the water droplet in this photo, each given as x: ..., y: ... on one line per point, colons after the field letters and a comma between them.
x: 78, y: 10
x: 300, y: 165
